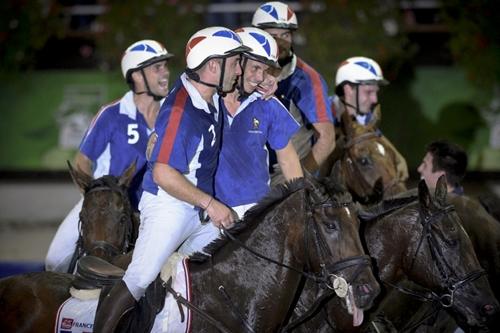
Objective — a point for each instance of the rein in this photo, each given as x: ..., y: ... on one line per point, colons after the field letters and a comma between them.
x: 356, y: 140
x: 445, y: 299
x: 326, y: 276
x: 109, y: 249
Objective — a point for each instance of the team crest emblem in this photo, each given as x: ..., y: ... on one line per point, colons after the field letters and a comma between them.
x: 255, y: 123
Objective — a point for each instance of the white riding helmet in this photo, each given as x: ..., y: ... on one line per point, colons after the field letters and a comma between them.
x: 213, y: 42
x: 141, y: 54
x: 275, y: 14
x: 263, y: 46
x: 358, y: 70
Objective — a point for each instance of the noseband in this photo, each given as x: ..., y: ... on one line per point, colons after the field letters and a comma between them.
x: 109, y: 249
x: 451, y: 283
x: 356, y: 140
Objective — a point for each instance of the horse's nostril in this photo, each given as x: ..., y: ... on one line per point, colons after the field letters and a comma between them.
x: 489, y: 309
x: 364, y: 289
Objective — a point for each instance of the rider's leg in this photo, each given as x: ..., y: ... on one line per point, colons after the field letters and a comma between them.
x: 63, y: 244
x: 165, y: 223
x: 114, y: 305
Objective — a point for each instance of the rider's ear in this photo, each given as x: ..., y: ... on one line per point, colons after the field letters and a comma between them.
x: 80, y: 178
x: 127, y: 175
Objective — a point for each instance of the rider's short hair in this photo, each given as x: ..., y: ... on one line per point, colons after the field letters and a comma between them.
x: 450, y: 158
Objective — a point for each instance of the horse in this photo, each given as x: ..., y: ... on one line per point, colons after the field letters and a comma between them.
x: 251, y: 276
x: 108, y: 224
x: 424, y: 242
x: 369, y: 161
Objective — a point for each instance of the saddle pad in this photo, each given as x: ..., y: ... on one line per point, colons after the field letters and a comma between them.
x: 76, y: 316
x: 169, y: 319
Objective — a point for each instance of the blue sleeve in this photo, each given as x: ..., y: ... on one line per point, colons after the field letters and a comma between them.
x: 98, y: 134
x: 282, y: 124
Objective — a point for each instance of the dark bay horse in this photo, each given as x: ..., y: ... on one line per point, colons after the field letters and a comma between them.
x: 108, y: 225
x: 298, y: 230
x: 369, y: 161
x: 424, y: 243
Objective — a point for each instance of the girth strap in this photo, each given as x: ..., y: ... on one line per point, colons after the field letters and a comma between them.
x: 180, y: 299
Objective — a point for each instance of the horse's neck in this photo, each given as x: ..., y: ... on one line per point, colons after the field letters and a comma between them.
x: 260, y: 290
x: 390, y: 241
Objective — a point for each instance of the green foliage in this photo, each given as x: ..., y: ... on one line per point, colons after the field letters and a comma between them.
x: 168, y: 22
x: 25, y: 27
x: 352, y: 28
x: 475, y: 40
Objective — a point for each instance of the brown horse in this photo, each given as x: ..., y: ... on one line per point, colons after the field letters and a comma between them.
x: 108, y: 225
x: 106, y: 231
x: 369, y: 161
x: 297, y: 231
x: 423, y: 242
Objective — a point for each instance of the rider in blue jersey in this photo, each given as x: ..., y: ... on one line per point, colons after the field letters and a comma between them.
x: 301, y: 88
x: 251, y: 121
x: 118, y: 136
x: 180, y: 176
x: 357, y: 83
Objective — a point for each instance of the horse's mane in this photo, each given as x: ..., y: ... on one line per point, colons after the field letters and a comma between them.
x: 277, y: 194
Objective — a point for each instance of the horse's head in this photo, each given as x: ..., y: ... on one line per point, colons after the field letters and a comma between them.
x: 368, y: 162
x: 443, y: 256
x: 106, y: 218
x: 334, y: 234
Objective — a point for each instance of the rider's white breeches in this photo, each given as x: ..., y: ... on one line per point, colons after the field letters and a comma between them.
x: 166, y: 223
x: 63, y: 244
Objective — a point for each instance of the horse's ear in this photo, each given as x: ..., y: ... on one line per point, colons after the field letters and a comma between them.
x: 128, y: 175
x: 424, y: 197
x: 316, y: 190
x: 337, y: 175
x: 80, y: 178
x: 346, y: 124
x: 441, y: 190
x: 378, y: 190
x: 376, y: 118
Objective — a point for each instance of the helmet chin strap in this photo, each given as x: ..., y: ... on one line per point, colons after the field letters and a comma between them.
x: 218, y: 87
x: 356, y: 107
x: 241, y: 85
x: 148, y: 90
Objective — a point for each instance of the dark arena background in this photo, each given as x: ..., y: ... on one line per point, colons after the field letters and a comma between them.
x: 60, y: 62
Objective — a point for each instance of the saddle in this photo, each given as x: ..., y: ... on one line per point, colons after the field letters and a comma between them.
x: 95, y: 273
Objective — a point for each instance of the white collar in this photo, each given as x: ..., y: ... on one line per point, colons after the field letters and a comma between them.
x: 196, y: 98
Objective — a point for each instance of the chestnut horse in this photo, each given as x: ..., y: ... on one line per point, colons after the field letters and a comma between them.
x: 297, y: 231
x: 368, y: 160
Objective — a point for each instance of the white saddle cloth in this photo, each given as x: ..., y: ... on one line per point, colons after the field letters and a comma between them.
x: 77, y: 315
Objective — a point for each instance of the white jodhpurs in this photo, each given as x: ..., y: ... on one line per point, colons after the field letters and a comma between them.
x: 63, y: 244
x: 241, y: 210
x: 166, y: 223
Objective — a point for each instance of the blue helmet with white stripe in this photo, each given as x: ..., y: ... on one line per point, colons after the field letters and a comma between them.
x: 358, y: 70
x: 263, y: 47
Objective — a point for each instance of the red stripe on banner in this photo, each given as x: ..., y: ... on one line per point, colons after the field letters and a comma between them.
x: 317, y: 90
x: 187, y: 277
x: 173, y: 121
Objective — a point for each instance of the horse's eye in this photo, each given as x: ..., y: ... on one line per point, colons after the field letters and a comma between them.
x: 364, y: 161
x: 330, y: 225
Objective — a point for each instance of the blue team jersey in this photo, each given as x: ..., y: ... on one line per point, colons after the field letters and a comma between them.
x: 308, y: 91
x: 242, y: 175
x: 117, y: 136
x: 189, y: 134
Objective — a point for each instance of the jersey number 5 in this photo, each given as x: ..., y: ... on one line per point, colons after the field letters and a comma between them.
x: 133, y: 134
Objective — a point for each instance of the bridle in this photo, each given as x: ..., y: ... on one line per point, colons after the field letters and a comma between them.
x: 110, y: 250
x: 449, y: 278
x: 325, y: 278
x: 358, y: 174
